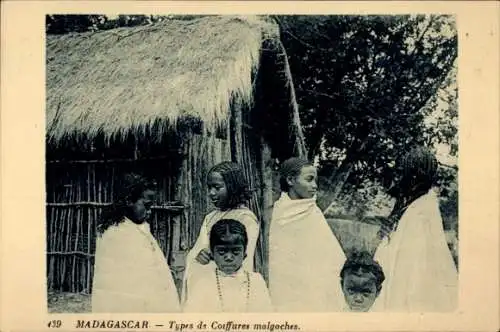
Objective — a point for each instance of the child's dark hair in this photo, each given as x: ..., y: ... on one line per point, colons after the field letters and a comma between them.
x: 291, y: 168
x: 228, y: 232
x: 238, y: 190
x: 128, y: 188
x: 363, y: 263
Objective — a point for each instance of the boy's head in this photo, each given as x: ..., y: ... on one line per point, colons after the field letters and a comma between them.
x: 361, y: 279
x: 228, y: 243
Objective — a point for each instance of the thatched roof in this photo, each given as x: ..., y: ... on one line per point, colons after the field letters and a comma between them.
x: 125, y: 79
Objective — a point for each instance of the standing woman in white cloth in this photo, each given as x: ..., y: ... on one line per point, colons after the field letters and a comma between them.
x: 229, y: 192
x: 305, y: 257
x: 420, y: 272
x: 131, y: 274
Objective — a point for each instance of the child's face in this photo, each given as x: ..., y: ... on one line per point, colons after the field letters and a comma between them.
x: 229, y: 258
x: 304, y: 185
x: 360, y: 291
x: 217, y: 190
x: 141, y: 209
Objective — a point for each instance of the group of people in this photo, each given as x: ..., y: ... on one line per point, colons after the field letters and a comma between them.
x: 412, y: 270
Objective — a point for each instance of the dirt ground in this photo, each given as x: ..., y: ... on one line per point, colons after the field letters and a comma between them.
x: 68, y: 303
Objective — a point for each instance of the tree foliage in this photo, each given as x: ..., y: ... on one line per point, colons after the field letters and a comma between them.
x: 365, y: 84
x: 60, y: 24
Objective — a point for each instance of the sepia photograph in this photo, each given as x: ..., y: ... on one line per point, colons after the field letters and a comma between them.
x: 236, y: 163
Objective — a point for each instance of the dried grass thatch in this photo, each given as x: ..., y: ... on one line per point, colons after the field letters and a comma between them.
x: 131, y: 79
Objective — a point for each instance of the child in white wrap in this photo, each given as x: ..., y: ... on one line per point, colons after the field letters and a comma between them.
x: 229, y: 288
x: 229, y: 191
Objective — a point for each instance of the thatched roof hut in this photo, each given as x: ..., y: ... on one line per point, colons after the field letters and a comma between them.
x: 124, y: 80
x: 169, y: 99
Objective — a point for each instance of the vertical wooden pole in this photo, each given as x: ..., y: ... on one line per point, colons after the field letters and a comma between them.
x: 136, y: 149
x: 267, y: 201
x: 60, y: 222
x: 237, y: 134
x: 97, y: 188
x: 182, y: 194
x: 50, y: 247
x: 224, y: 143
x: 91, y: 222
x: 186, y: 191
x: 78, y: 219
x: 66, y: 245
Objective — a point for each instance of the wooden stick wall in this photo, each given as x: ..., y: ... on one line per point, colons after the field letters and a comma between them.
x: 76, y: 197
x: 79, y: 190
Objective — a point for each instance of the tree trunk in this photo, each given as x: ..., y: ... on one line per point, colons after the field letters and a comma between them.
x: 236, y: 134
x: 339, y: 178
x: 339, y: 182
x: 266, y: 168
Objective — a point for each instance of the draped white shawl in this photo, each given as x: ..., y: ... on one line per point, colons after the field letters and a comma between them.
x: 131, y: 274
x: 194, y: 270
x: 204, y: 295
x: 419, y: 268
x: 305, y: 259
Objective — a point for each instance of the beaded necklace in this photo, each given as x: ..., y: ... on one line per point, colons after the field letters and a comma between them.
x: 219, y: 290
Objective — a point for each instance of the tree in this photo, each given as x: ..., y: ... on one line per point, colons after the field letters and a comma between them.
x: 362, y: 85
x: 61, y: 24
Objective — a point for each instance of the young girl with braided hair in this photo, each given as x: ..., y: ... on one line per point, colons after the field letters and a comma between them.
x: 420, y: 272
x: 229, y: 192
x: 229, y: 287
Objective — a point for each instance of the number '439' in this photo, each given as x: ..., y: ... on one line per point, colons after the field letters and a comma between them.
x: 55, y: 324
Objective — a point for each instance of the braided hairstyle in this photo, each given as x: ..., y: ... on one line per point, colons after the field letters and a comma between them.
x: 291, y: 168
x: 238, y: 189
x: 360, y: 263
x: 228, y: 232
x: 418, y: 174
x: 129, y: 188
x: 420, y: 167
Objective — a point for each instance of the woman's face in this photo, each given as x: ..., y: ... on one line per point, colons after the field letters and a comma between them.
x: 304, y: 184
x: 217, y: 190
x: 141, y: 209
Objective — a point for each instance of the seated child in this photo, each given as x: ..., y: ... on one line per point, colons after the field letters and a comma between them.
x: 229, y: 288
x: 361, y: 279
